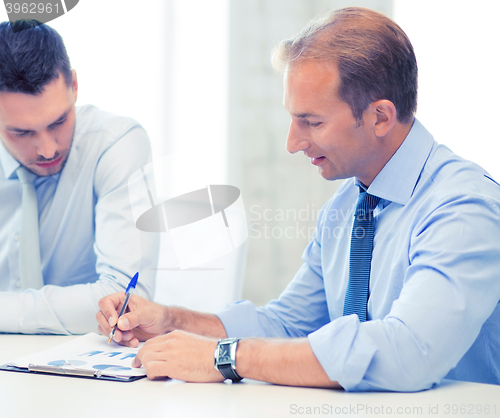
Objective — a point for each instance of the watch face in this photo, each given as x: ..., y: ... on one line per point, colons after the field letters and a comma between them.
x: 224, y: 353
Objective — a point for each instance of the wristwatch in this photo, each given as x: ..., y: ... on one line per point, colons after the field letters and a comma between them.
x: 225, y: 358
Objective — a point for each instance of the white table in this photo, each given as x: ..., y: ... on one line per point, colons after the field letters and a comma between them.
x: 24, y: 395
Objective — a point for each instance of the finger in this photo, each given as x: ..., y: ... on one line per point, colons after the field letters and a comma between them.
x: 103, y: 323
x: 106, y: 330
x: 118, y: 337
x: 126, y: 335
x: 132, y: 320
x: 128, y: 338
x: 142, y: 356
x: 123, y: 337
x: 109, y: 306
x: 148, y: 358
x: 132, y: 343
x: 136, y: 362
x: 154, y: 349
x: 143, y: 352
x: 157, y: 370
x: 102, y: 331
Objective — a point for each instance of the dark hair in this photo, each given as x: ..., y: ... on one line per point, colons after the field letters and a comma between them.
x: 375, y: 58
x: 31, y: 56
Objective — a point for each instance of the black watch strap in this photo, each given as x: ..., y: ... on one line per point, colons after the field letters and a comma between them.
x: 229, y: 373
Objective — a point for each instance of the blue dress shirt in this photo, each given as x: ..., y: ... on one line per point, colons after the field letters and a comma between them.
x: 89, y: 245
x: 433, y: 308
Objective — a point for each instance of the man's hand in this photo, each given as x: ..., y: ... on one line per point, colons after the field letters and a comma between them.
x: 179, y: 355
x: 144, y: 319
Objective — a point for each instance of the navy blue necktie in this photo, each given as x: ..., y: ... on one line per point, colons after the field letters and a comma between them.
x: 356, y: 297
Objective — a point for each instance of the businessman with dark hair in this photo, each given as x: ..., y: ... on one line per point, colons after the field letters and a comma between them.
x: 67, y: 234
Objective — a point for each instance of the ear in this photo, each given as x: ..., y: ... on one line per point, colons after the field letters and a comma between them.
x: 386, y: 117
x: 74, y: 84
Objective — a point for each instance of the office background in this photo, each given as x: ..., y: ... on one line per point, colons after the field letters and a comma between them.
x: 197, y: 75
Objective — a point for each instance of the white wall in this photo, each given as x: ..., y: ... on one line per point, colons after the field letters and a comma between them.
x: 199, y: 61
x: 456, y: 43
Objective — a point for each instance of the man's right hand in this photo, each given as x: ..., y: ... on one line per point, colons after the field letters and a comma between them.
x: 143, y: 320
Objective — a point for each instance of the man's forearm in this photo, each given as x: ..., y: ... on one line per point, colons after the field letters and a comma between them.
x: 48, y: 311
x: 195, y: 322
x: 285, y: 362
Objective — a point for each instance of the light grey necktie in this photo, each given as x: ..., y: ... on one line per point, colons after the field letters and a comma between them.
x: 30, y: 268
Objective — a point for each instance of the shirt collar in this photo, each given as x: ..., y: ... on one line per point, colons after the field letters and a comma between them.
x: 8, y: 162
x: 397, y: 180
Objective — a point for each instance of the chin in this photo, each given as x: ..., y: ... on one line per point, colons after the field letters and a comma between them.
x: 48, y: 171
x: 327, y: 176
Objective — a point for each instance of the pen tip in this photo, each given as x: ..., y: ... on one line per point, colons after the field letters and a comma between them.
x: 109, y: 340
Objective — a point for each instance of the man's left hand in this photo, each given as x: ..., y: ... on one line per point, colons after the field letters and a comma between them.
x: 179, y: 355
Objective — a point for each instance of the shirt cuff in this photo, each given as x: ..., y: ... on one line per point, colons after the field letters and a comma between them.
x: 10, y: 303
x: 240, y: 320
x: 344, y: 350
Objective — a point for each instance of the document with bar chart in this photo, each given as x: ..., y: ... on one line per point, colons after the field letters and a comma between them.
x: 87, y: 356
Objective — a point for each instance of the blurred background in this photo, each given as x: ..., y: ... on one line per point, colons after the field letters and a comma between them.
x: 197, y: 76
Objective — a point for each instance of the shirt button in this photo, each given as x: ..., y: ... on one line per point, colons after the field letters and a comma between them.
x: 16, y: 237
x: 18, y: 283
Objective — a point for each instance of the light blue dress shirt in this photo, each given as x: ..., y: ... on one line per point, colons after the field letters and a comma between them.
x: 435, y: 278
x: 89, y: 245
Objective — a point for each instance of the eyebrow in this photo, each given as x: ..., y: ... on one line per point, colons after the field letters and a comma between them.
x: 307, y: 115
x: 59, y: 119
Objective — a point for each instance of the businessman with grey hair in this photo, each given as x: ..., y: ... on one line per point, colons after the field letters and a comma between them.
x: 408, y: 294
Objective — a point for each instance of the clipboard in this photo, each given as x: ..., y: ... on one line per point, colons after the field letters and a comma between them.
x: 88, y: 356
x: 68, y: 373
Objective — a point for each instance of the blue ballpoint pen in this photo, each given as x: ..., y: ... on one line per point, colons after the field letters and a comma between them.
x: 128, y: 293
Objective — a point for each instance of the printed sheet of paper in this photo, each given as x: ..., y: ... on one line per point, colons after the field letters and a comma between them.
x: 88, y: 352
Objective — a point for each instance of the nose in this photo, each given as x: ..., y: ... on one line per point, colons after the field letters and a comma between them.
x: 296, y: 140
x: 47, y: 146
